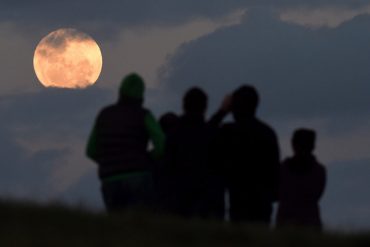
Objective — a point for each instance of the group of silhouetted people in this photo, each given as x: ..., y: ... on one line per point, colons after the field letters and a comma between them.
x: 194, y: 162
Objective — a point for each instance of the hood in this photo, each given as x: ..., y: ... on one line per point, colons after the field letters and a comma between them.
x: 132, y: 86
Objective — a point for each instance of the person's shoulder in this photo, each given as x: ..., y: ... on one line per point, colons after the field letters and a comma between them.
x: 265, y: 128
x: 264, y: 125
x: 134, y: 110
x: 146, y: 113
x: 286, y: 162
x: 107, y: 109
x: 228, y: 125
x: 319, y: 171
x: 319, y: 166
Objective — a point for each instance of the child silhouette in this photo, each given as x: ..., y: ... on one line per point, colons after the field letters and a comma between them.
x: 302, y: 183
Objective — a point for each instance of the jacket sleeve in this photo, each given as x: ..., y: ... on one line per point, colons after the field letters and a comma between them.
x: 91, y: 148
x: 156, y: 135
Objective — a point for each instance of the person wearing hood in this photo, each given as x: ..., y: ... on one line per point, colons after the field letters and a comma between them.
x: 302, y: 184
x: 118, y: 143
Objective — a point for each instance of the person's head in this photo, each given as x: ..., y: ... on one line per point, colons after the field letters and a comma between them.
x: 244, y: 102
x: 303, y: 141
x: 132, y: 88
x: 168, y: 121
x: 195, y: 102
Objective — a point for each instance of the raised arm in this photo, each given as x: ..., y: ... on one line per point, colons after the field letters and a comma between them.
x: 224, y: 109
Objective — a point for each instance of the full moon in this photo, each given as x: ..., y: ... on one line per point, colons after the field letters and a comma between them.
x: 67, y: 58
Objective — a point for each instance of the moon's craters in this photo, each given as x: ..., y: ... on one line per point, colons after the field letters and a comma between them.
x: 67, y: 58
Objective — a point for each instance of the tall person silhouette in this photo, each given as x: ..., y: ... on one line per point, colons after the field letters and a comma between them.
x: 302, y: 184
x: 247, y: 150
x: 195, y: 188
x: 118, y: 143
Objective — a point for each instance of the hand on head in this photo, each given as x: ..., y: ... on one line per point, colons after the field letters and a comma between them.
x: 226, y: 103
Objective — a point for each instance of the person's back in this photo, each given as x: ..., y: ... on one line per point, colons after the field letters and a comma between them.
x: 187, y: 160
x: 251, y: 157
x: 302, y: 184
x: 169, y: 122
x: 123, y: 139
x: 248, y: 152
x: 118, y: 143
x: 191, y: 141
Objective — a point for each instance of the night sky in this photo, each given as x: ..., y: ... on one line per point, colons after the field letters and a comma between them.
x: 309, y: 60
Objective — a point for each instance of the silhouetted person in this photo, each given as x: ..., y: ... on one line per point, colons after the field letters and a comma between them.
x: 196, y: 189
x: 302, y: 184
x: 168, y: 121
x: 118, y: 143
x: 247, y: 150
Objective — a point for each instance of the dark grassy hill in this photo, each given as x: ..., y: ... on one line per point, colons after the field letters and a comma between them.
x: 25, y: 224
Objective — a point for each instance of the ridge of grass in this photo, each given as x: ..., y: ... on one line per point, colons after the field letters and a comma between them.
x: 29, y: 224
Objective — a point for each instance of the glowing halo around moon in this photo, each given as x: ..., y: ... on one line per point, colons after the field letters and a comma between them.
x: 67, y: 58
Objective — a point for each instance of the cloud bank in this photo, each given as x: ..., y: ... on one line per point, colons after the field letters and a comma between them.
x: 299, y: 72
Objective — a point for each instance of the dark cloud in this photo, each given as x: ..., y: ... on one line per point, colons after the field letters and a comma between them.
x: 113, y: 14
x: 58, y: 39
x: 300, y: 72
x: 22, y: 175
x: 55, y: 110
x: 52, y: 115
